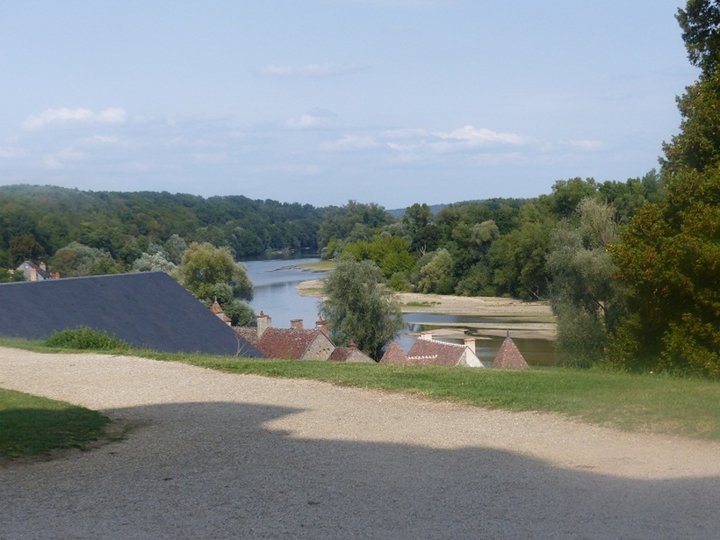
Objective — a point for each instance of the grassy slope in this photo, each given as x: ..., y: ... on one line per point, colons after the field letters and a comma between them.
x: 652, y: 403
x: 32, y: 425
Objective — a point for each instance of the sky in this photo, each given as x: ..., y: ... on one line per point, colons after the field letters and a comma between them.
x: 325, y: 101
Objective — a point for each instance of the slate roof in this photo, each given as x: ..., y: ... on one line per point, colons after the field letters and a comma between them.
x: 147, y: 309
x: 425, y: 351
x: 288, y: 343
x: 394, y: 354
x: 509, y: 356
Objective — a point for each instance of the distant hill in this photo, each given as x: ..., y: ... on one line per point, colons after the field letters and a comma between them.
x: 398, y: 213
x: 36, y: 221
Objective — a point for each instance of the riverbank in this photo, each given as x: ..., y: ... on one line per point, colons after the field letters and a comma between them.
x: 522, y: 319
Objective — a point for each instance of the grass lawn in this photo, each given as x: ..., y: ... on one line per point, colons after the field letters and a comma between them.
x: 32, y: 425
x: 648, y: 403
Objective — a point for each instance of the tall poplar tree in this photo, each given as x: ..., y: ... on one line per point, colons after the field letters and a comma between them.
x: 669, y: 256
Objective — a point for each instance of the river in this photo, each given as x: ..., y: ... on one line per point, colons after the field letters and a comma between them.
x: 275, y: 292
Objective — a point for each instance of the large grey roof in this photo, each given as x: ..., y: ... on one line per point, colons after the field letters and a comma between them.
x: 148, y: 310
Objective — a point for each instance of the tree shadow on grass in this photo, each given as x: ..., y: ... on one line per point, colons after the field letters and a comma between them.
x: 214, y: 470
x: 28, y: 433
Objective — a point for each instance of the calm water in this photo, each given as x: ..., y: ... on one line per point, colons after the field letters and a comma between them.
x: 275, y: 293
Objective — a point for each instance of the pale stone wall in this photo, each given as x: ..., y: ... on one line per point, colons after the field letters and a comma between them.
x: 320, y: 349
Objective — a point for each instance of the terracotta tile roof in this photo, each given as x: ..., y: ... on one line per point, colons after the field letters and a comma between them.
x: 349, y: 354
x: 217, y: 310
x: 394, y: 354
x: 248, y: 333
x: 425, y: 351
x: 509, y: 356
x: 288, y: 343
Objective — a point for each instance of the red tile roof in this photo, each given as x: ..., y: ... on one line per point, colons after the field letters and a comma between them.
x: 436, y: 353
x: 352, y: 354
x: 394, y: 354
x: 288, y: 343
x: 509, y: 356
x: 248, y: 333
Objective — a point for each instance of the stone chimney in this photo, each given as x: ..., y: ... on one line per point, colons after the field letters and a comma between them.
x: 470, y: 343
x: 42, y: 266
x: 322, y: 325
x: 264, y: 322
x: 296, y: 324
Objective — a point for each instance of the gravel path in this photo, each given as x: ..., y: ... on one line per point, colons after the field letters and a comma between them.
x: 214, y: 455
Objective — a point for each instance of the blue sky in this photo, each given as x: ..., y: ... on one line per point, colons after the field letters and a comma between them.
x: 322, y: 101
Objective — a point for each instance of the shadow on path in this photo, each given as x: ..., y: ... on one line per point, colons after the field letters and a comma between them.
x: 212, y: 470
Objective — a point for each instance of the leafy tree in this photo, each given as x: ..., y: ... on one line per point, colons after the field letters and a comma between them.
x: 204, y: 267
x: 77, y: 259
x: 154, y: 263
x: 519, y: 258
x: 25, y: 247
x: 669, y: 256
x: 585, y: 295
x: 418, y: 222
x: 175, y: 246
x: 355, y: 221
x: 359, y: 308
x: 436, y: 273
x: 390, y: 253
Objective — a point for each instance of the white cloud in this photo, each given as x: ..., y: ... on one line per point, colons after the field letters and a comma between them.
x: 350, y: 142
x: 310, y: 120
x: 473, y: 136
x: 100, y: 139
x: 112, y: 115
x: 405, y: 133
x: 587, y: 144
x: 58, y: 159
x: 310, y: 70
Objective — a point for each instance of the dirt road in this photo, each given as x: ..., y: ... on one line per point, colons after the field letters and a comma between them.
x: 213, y: 455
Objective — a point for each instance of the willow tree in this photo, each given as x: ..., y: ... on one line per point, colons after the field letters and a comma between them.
x: 359, y: 308
x: 669, y: 256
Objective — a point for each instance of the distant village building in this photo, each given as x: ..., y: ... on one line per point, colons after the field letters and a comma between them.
x: 294, y: 343
x: 394, y: 354
x: 350, y: 354
x: 36, y: 272
x: 217, y: 310
x: 428, y: 351
x: 509, y: 356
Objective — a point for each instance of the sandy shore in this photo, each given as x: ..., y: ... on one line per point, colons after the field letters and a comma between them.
x: 215, y: 455
x: 522, y: 319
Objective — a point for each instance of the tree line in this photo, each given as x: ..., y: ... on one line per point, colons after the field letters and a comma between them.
x: 37, y: 221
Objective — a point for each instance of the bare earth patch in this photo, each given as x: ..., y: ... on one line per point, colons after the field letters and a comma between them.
x: 216, y: 455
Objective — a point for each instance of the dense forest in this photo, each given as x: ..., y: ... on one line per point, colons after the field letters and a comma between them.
x: 36, y: 222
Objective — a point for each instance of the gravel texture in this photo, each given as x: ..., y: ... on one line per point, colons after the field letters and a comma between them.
x: 214, y: 455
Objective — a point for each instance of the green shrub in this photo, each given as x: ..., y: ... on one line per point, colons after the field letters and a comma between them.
x: 85, y: 338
